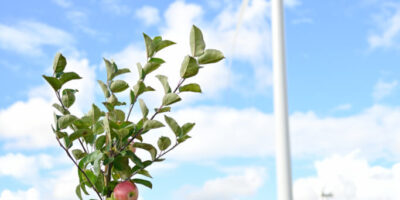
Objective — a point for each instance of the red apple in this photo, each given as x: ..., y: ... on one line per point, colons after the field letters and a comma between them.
x: 126, y: 191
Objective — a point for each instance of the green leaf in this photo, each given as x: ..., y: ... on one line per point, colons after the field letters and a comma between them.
x: 211, y: 56
x: 149, y: 45
x: 78, y: 154
x: 111, y: 69
x: 98, y: 128
x: 134, y: 158
x: 143, y: 182
x: 144, y: 173
x: 100, y: 142
x: 92, y: 177
x: 117, y: 115
x: 170, y: 98
x: 152, y: 124
x: 95, y: 113
x: 132, y: 97
x: 197, y: 44
x: 107, y: 128
x: 148, y: 89
x: 61, y: 109
x: 66, y: 120
x: 140, y: 71
x: 173, y: 125
x: 112, y: 100
x: 104, y: 88
x: 163, y: 143
x: 189, y: 67
x: 56, y: 118
x: 153, y: 64
x: 139, y: 88
x: 99, y: 184
x: 192, y: 87
x: 143, y: 107
x: 119, y: 72
x: 78, y: 191
x: 187, y: 127
x: 150, y: 148
x: 54, y: 82
x: 164, y: 82
x: 68, y: 76
x: 183, y: 138
x: 163, y: 109
x: 161, y: 44
x: 59, y: 63
x: 68, y: 97
x: 118, y: 86
x: 157, y: 60
x: 94, y: 157
x: 121, y: 163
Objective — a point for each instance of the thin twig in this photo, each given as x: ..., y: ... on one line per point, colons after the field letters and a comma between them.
x: 65, y: 108
x: 80, y: 169
x: 80, y: 141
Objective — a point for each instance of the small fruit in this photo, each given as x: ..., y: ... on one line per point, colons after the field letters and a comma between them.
x: 126, y: 191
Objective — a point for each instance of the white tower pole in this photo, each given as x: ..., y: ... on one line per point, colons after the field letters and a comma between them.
x: 283, y: 165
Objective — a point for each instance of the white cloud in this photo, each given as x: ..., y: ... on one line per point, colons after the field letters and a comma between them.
x: 29, y: 37
x: 349, y: 177
x: 228, y: 132
x: 231, y: 187
x: 149, y: 15
x: 14, y: 165
x: 26, y: 124
x: 252, y: 45
x: 389, y: 25
x: 30, y: 194
x: 80, y: 20
x: 383, y: 89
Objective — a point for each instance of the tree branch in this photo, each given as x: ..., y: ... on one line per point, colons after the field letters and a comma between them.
x: 80, y: 169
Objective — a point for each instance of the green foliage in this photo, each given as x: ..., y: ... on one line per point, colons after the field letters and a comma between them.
x: 59, y: 63
x: 192, y: 87
x: 170, y: 98
x: 189, y: 67
x: 197, y: 44
x: 211, y: 56
x: 105, y: 140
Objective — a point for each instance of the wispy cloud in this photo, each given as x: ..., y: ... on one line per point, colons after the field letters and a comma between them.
x: 29, y: 37
x: 383, y: 89
x: 387, y: 35
x: 149, y: 15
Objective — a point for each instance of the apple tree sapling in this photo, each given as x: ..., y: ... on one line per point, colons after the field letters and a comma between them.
x: 102, y: 143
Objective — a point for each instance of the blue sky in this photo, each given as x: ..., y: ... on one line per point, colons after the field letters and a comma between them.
x: 343, y: 88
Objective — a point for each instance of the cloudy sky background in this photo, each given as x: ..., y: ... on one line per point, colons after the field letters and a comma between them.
x: 343, y: 88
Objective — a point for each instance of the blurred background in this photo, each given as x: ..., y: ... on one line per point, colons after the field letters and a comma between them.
x: 343, y: 88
